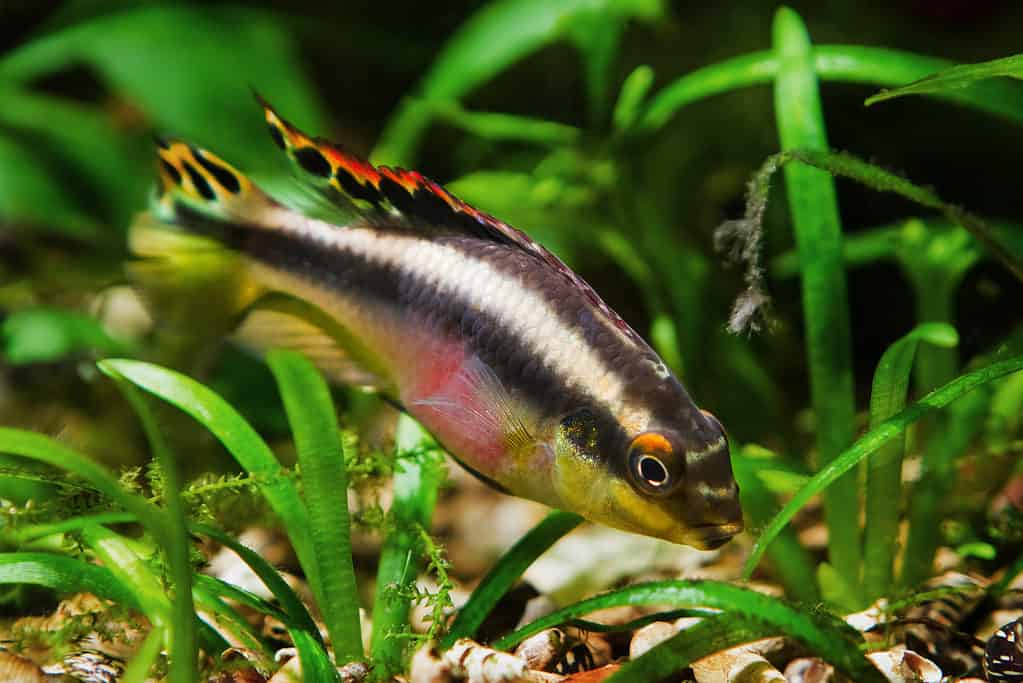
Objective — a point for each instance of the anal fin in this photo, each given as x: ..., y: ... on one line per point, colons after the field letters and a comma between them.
x: 280, y: 321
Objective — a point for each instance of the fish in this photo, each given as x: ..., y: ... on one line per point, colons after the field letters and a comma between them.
x: 517, y: 367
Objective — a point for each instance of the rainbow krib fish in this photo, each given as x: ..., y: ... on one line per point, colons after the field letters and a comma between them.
x: 505, y: 355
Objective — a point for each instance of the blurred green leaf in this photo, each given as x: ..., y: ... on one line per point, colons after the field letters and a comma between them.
x: 188, y: 68
x: 43, y: 335
x: 30, y: 193
x: 106, y: 162
x: 955, y: 78
x: 495, y: 37
x: 497, y: 126
x: 631, y: 97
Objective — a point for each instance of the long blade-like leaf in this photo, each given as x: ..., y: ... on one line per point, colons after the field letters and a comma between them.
x: 884, y: 470
x: 822, y: 634
x: 313, y: 421
x: 66, y: 575
x: 873, y: 440
x: 818, y: 229
x: 240, y: 439
x: 507, y: 571
x: 955, y: 78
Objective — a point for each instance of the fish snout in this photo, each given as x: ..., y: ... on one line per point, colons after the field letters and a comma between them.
x: 712, y: 495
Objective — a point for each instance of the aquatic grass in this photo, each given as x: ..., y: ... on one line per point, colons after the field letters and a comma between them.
x: 316, y: 664
x: 183, y: 647
x: 417, y: 478
x: 873, y: 440
x: 883, y: 491
x: 240, y: 439
x: 506, y: 571
x: 955, y: 78
x: 813, y: 205
x: 821, y: 633
x: 710, y: 635
x: 65, y: 574
x: 313, y: 420
x: 858, y: 64
x: 790, y: 561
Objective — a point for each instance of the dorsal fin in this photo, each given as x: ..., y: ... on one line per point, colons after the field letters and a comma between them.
x: 382, y: 194
x: 203, y: 181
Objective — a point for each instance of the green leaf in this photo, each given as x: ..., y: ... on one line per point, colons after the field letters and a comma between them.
x: 238, y: 437
x: 65, y: 575
x: 184, y: 648
x: 44, y: 449
x: 884, y: 470
x: 631, y: 98
x: 873, y: 440
x: 839, y: 63
x: 818, y: 230
x: 200, y: 93
x: 131, y: 570
x: 496, y: 126
x: 955, y: 78
x: 824, y: 635
x: 316, y: 666
x: 499, y: 34
x: 710, y: 635
x: 46, y: 335
x: 137, y: 670
x: 313, y: 421
x: 416, y: 481
x: 105, y: 160
x: 29, y: 193
x: 509, y: 569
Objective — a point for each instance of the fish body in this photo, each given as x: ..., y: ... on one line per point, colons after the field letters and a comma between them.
x: 503, y: 353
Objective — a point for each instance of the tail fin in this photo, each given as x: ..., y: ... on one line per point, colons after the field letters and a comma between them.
x: 195, y: 286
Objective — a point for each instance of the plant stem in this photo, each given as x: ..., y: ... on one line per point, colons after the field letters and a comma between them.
x: 818, y: 231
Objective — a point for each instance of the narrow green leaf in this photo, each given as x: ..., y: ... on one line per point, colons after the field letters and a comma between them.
x: 131, y: 570
x: 65, y: 575
x: 498, y: 126
x: 822, y: 634
x: 44, y: 335
x: 137, y: 670
x: 316, y: 665
x: 631, y: 98
x: 297, y: 616
x: 44, y: 449
x: 873, y: 440
x: 201, y: 94
x: 184, y: 645
x: 313, y: 422
x: 419, y: 473
x: 712, y: 634
x: 884, y: 470
x: 818, y: 230
x: 211, y: 607
x: 839, y: 63
x: 507, y: 571
x: 955, y: 78
x: 240, y: 439
x: 499, y: 34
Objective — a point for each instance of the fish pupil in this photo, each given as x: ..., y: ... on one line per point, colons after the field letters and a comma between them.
x: 653, y: 470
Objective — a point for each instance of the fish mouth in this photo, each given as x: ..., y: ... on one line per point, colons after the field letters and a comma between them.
x: 713, y: 536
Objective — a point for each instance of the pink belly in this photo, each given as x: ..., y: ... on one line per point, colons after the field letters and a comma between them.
x: 441, y: 388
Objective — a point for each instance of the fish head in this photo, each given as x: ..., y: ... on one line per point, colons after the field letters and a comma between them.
x: 670, y: 481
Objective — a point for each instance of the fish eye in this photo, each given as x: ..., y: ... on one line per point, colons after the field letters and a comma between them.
x: 651, y: 463
x: 652, y: 470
